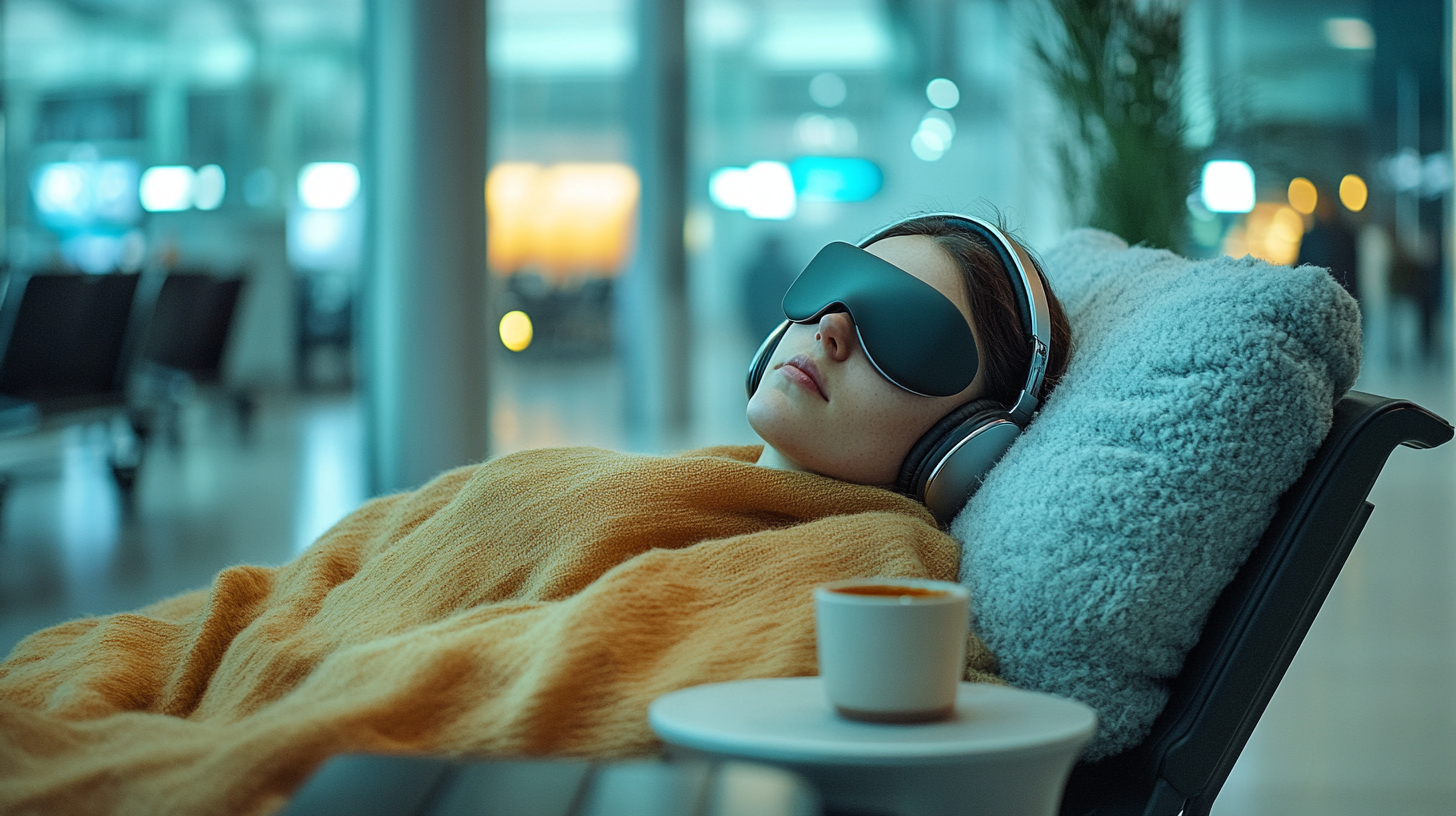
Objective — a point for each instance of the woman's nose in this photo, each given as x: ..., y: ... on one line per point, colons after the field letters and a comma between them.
x: 836, y: 333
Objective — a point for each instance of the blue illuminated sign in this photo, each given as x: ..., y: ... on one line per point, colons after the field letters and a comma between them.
x: 831, y: 178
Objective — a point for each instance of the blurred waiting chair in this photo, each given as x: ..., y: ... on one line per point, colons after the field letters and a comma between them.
x: 64, y: 341
x: 190, y: 322
x: 186, y: 338
x: 64, y: 350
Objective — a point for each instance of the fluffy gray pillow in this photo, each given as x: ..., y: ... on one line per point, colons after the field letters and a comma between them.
x: 1197, y: 391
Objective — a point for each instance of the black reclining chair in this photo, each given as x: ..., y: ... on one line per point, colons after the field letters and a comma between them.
x: 1258, y: 622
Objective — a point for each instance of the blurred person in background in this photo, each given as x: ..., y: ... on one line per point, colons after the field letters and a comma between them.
x: 1332, y: 244
x: 1415, y: 278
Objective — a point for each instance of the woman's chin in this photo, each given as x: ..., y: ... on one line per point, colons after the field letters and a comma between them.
x: 783, y: 439
x: 769, y: 415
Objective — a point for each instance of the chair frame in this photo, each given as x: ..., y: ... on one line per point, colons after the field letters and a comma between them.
x: 1257, y: 623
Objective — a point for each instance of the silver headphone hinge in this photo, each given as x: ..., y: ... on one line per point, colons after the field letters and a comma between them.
x: 1027, y: 403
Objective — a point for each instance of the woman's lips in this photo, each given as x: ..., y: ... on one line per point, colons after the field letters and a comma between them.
x: 802, y: 372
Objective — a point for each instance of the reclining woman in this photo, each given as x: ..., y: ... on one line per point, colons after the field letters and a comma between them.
x: 537, y: 603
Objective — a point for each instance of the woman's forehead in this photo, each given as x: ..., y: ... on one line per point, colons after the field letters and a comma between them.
x: 922, y: 257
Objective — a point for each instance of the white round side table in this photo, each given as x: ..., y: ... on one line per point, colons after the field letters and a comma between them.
x: 1005, y: 752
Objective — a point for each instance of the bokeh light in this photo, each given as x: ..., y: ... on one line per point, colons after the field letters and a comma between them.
x: 210, y: 185
x: 167, y: 188
x: 1272, y: 232
x: 933, y: 138
x: 827, y: 90
x: 80, y: 195
x: 61, y: 190
x: 927, y: 146
x: 574, y: 218
x: 941, y: 124
x: 762, y: 190
x: 1353, y: 193
x: 1350, y: 33
x: 817, y: 132
x: 1228, y: 186
x: 943, y: 93
x: 836, y: 178
x: 1302, y: 195
x: 515, y: 330
x: 320, y: 232
x: 328, y: 185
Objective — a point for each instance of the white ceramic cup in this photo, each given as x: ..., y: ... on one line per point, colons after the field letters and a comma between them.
x: 886, y: 656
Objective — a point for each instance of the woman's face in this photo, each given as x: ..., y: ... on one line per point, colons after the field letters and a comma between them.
x: 822, y: 406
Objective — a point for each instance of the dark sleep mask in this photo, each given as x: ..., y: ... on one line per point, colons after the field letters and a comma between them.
x: 914, y: 335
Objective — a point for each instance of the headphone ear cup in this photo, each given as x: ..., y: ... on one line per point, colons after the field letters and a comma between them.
x: 944, y: 438
x: 759, y: 364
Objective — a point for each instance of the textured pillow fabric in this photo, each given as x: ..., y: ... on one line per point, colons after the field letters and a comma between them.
x: 1196, y: 393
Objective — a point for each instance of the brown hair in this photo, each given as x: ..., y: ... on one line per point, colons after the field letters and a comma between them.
x: 1004, y: 350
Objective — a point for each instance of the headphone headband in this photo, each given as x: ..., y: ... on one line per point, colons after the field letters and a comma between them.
x: 1033, y: 306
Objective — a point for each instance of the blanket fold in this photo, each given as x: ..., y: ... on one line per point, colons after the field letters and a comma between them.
x: 531, y: 605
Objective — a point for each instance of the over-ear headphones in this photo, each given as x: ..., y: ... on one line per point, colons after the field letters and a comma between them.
x: 949, y: 462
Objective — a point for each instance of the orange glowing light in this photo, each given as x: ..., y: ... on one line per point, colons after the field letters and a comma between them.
x: 1353, y: 193
x: 560, y: 220
x: 1272, y: 232
x: 1303, y: 195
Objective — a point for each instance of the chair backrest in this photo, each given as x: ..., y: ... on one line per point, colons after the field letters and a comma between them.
x: 190, y: 321
x: 1257, y: 624
x: 65, y: 347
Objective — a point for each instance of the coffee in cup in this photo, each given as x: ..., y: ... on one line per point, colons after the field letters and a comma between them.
x: 891, y: 650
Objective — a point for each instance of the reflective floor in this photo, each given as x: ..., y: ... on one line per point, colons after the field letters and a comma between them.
x: 1364, y: 722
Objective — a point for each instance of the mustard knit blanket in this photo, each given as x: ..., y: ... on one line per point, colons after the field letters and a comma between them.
x: 535, y: 604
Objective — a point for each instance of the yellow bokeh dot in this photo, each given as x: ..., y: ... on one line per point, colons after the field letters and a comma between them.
x: 1303, y: 195
x: 515, y: 330
x: 1353, y: 193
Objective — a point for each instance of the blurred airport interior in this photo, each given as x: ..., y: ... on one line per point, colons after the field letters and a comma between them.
x: 263, y: 259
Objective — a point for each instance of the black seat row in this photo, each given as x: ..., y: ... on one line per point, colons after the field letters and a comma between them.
x: 70, y: 344
x: 70, y: 341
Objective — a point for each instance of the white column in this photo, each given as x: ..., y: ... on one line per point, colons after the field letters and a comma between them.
x: 651, y: 298
x: 425, y: 322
